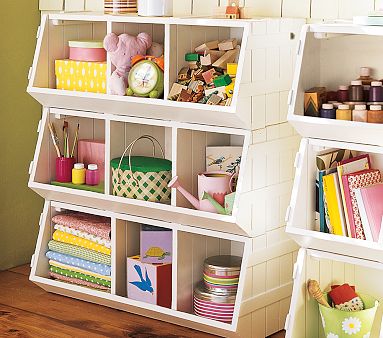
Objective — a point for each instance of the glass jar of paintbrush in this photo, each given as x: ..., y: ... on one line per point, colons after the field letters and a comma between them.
x: 65, y: 160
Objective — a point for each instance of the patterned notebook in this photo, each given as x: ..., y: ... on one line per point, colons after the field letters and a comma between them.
x: 351, y: 182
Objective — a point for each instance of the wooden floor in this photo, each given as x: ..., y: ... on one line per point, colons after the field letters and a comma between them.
x: 28, y: 311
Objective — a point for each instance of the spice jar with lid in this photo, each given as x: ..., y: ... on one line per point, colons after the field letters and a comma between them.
x: 343, y: 112
x: 355, y: 91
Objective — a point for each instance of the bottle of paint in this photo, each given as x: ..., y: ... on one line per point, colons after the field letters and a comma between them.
x: 344, y: 112
x: 328, y: 111
x: 355, y: 91
x: 375, y: 114
x: 92, y: 176
x: 360, y: 113
x: 366, y: 91
x: 365, y: 76
x: 376, y: 92
x: 78, y: 173
x: 342, y: 94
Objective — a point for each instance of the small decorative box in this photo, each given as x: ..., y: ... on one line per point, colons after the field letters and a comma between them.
x: 149, y: 283
x: 90, y: 51
x: 156, y: 244
x: 81, y: 76
x: 92, y: 152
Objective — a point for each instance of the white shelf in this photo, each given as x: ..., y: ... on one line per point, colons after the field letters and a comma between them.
x: 301, y: 219
x: 180, y: 35
x: 328, y: 269
x: 125, y: 231
x: 326, y: 58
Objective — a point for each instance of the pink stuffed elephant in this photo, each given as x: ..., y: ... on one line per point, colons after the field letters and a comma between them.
x: 122, y: 49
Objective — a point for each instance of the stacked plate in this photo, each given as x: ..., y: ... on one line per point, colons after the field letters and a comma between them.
x: 120, y: 6
x: 214, y: 297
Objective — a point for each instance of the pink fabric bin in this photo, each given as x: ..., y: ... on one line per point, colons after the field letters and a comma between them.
x: 89, y: 51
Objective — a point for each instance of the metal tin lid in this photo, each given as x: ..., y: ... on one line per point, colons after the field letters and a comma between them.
x: 200, y: 292
x: 223, y: 263
x: 85, y: 44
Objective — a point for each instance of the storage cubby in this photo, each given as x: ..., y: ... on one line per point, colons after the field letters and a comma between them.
x: 301, y: 214
x: 193, y: 249
x: 327, y: 58
x: 191, y: 159
x: 40, y: 262
x: 329, y: 269
x: 91, y: 127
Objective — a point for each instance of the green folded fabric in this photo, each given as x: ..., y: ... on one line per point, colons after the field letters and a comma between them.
x: 79, y: 252
x: 78, y: 275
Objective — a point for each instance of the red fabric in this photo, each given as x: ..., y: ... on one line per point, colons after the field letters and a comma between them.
x: 342, y: 294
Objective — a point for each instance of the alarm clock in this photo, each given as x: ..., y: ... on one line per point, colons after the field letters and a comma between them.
x: 146, y: 77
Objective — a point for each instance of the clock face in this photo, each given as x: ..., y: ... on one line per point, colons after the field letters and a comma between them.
x: 143, y: 77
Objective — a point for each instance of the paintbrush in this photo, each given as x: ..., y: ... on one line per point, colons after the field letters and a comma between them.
x: 316, y: 292
x: 66, y: 139
x: 75, y: 139
x: 55, y: 138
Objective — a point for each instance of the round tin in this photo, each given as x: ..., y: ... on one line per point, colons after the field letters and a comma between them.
x: 202, y: 294
x: 224, y: 265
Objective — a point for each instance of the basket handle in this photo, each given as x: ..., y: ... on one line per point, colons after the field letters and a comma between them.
x: 130, y: 148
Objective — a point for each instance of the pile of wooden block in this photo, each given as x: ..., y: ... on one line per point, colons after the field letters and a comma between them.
x: 210, y: 75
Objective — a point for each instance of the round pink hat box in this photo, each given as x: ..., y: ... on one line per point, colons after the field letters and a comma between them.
x: 89, y: 51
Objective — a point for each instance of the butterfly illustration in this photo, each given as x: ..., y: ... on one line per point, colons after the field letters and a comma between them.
x: 143, y: 284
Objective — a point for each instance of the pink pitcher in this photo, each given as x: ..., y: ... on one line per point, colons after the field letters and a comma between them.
x: 216, y: 183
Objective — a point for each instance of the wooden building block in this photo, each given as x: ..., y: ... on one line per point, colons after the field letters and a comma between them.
x: 206, y: 60
x: 214, y: 100
x: 296, y: 8
x: 158, y: 275
x: 232, y: 69
x: 350, y: 8
x: 209, y: 75
x: 221, y: 92
x: 228, y: 57
x: 175, y: 91
x: 215, y: 54
x: 324, y: 9
x: 206, y: 46
x: 222, y: 80
x: 227, y: 44
x: 153, y: 238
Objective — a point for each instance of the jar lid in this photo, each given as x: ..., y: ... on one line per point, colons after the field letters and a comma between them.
x: 327, y: 106
x: 143, y: 164
x: 344, y: 106
x: 376, y: 83
x: 343, y: 87
x: 92, y: 167
x: 86, y: 44
x: 360, y: 107
x: 356, y: 83
x: 365, y: 71
x: 223, y: 263
x: 79, y: 166
x: 376, y: 107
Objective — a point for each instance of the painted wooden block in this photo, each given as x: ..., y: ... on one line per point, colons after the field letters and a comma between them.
x: 149, y: 283
x: 155, y: 245
x: 92, y: 152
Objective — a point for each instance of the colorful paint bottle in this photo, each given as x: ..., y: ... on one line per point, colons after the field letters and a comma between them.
x: 344, y: 112
x: 375, y: 114
x: 366, y: 91
x: 328, y: 111
x: 92, y: 176
x: 355, y: 91
x: 342, y: 94
x: 365, y: 76
x: 78, y: 174
x: 376, y: 92
x: 359, y: 114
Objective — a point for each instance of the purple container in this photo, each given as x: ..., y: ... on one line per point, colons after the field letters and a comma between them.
x: 342, y: 94
x: 92, y: 176
x: 328, y: 111
x: 376, y: 92
x: 64, y: 166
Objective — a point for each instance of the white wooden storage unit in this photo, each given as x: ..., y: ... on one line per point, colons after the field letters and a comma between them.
x: 326, y: 58
x: 256, y: 228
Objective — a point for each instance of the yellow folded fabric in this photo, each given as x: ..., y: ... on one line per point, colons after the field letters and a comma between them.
x: 82, y: 242
x: 76, y: 269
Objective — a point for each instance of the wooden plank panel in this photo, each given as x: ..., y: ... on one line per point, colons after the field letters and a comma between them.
x: 185, y: 274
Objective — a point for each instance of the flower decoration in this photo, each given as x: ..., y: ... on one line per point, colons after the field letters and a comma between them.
x: 351, y: 325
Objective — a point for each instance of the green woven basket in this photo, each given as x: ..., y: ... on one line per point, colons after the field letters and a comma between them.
x: 141, y: 177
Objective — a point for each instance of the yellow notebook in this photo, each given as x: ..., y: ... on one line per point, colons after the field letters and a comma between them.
x: 334, y: 204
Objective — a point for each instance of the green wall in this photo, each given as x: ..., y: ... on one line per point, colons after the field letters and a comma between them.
x: 20, y: 207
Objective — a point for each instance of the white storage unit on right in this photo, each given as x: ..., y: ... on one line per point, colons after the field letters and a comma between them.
x: 329, y: 56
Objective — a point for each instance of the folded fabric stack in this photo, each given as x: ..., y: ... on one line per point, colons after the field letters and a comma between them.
x: 80, y: 250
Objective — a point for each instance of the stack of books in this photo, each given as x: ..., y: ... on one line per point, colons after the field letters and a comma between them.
x: 349, y: 195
